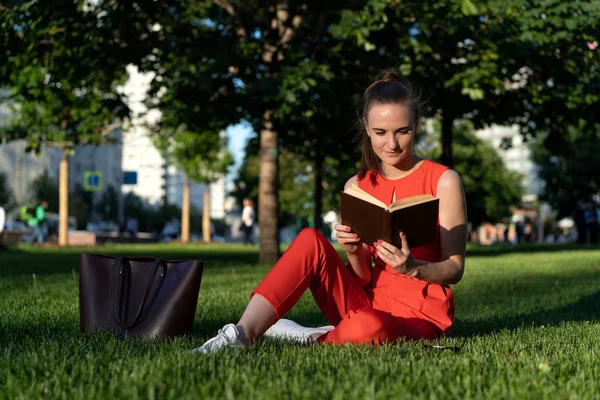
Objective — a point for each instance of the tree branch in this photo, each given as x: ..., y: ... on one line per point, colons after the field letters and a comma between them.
x: 57, y: 144
x: 108, y: 129
x: 228, y: 7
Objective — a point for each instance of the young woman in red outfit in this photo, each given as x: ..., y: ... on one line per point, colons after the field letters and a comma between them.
x: 383, y: 293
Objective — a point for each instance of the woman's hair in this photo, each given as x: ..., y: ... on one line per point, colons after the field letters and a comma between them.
x: 389, y: 87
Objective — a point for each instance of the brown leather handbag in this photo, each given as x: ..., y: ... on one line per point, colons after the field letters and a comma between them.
x: 138, y: 296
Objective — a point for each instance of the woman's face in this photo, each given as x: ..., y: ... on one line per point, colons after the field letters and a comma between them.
x: 390, y: 129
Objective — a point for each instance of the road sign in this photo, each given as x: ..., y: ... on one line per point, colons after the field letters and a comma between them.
x: 92, y: 181
x: 129, y: 177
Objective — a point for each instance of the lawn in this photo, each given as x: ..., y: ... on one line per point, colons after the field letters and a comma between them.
x: 527, y: 326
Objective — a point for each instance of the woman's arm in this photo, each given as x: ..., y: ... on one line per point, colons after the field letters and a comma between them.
x: 453, y: 239
x: 358, y: 254
x: 361, y: 265
x: 453, y: 234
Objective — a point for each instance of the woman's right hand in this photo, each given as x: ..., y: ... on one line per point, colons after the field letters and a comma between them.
x: 349, y: 241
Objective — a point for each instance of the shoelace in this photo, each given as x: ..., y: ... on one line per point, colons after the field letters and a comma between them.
x: 221, y: 333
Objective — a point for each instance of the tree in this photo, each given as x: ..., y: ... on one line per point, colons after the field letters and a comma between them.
x: 61, y: 65
x: 274, y: 51
x: 203, y: 157
x: 572, y: 174
x: 492, y: 62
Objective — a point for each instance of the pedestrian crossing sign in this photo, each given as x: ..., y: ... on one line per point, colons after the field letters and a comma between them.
x: 92, y: 181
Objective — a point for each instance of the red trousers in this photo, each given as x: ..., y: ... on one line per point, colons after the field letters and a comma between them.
x: 312, y: 262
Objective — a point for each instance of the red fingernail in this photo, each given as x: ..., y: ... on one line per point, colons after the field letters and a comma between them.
x: 379, y: 241
x: 401, y: 233
x: 375, y: 244
x: 347, y: 229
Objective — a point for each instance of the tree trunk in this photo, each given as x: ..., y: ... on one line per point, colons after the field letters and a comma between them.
x: 268, y: 193
x: 318, y: 188
x: 185, y: 210
x: 19, y: 192
x: 63, y: 200
x: 447, y: 124
x: 206, y: 214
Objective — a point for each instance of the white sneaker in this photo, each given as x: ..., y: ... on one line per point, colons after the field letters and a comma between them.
x: 288, y: 329
x: 227, y: 337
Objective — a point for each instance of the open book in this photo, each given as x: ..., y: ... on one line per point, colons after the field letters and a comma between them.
x: 372, y: 219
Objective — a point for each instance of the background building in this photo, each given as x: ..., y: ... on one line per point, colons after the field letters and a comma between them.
x: 515, y: 153
x: 130, y: 150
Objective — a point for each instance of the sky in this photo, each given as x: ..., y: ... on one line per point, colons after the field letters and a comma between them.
x: 238, y: 136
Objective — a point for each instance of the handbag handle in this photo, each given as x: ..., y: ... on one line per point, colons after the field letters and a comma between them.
x: 117, y: 313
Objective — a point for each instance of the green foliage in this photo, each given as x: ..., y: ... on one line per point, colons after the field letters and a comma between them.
x: 490, y: 187
x: 535, y: 64
x: 571, y: 175
x: 108, y: 205
x: 61, y: 73
x: 203, y: 156
x: 7, y: 200
x: 44, y: 188
x: 513, y: 337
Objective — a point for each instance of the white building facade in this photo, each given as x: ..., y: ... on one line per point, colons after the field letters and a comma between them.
x: 516, y: 157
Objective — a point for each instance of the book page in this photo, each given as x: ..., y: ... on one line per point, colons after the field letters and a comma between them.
x: 361, y: 194
x: 410, y: 201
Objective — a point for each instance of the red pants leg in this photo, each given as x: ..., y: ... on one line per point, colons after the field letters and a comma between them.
x: 312, y: 262
x: 372, y: 326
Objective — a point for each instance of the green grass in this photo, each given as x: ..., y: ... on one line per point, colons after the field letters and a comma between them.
x: 527, y: 326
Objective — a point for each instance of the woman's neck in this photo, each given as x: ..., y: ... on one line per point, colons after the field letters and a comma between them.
x: 406, y: 167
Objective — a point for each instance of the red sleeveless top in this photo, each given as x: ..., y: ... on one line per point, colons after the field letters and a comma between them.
x: 399, y: 294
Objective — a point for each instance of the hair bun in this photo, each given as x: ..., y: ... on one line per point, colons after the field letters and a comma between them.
x: 388, y: 75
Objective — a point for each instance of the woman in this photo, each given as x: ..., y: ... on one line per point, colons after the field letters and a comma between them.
x: 384, y: 292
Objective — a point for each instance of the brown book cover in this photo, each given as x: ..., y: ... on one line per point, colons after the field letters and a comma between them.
x: 372, y: 220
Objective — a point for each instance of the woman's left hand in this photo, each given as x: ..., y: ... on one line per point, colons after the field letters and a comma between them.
x: 399, y: 259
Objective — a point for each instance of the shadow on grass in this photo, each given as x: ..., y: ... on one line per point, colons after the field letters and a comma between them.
x: 501, y: 249
x: 16, y: 262
x: 585, y: 309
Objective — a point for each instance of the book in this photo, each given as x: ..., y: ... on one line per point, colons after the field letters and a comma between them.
x: 372, y: 219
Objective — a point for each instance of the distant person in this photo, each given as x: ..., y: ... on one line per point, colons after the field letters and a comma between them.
x: 248, y: 220
x: 172, y: 229
x: 528, y: 230
x: 212, y: 230
x: 36, y: 219
x: 591, y: 221
x: 131, y: 226
x: 579, y: 219
x: 519, y: 231
x: 383, y: 292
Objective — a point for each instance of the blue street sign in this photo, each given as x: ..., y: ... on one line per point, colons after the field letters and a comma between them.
x: 129, y: 177
x: 92, y: 181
